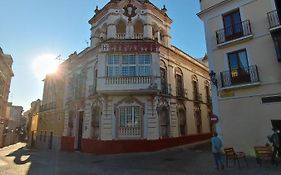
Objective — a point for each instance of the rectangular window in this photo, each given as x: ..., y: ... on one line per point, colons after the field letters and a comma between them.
x: 129, y: 65
x: 144, y: 71
x: 130, y: 116
x: 145, y: 59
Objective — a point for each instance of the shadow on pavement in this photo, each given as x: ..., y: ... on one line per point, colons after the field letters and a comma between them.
x: 21, y: 155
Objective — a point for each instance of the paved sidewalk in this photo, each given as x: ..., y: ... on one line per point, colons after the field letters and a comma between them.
x: 197, y: 160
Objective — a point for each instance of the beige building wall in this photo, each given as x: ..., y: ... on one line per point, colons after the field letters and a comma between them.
x: 6, y: 74
x: 245, y: 121
x: 51, y: 113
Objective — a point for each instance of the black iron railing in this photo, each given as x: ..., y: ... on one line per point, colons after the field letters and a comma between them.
x: 235, y: 31
x: 273, y: 19
x: 166, y: 89
x: 247, y: 75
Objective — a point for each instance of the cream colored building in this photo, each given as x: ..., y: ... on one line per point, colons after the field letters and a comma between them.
x: 131, y: 87
x: 243, y: 40
x: 6, y: 74
x: 15, y: 124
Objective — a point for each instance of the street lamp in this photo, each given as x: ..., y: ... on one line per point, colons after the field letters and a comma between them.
x: 213, y: 78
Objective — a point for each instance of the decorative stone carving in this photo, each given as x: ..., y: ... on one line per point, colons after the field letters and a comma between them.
x: 130, y: 11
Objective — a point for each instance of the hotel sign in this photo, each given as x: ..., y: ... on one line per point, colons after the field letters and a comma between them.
x: 131, y: 47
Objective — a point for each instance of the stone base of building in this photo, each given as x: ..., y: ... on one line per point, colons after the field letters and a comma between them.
x: 130, y: 146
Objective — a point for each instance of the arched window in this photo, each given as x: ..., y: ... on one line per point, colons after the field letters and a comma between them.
x: 121, y: 29
x: 207, y: 93
x: 164, y: 121
x: 182, y: 122
x: 96, y: 113
x: 138, y: 29
x: 179, y: 83
x: 195, y: 88
x: 162, y: 36
x: 163, y: 76
x: 198, y: 118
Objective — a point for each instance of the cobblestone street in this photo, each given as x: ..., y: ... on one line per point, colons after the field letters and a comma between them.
x: 197, y: 160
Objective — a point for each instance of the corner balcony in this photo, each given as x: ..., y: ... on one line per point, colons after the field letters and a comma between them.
x: 234, y: 33
x: 128, y: 84
x: 137, y: 36
x: 238, y: 78
x: 273, y: 20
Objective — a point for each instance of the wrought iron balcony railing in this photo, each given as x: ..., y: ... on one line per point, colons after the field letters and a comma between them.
x: 273, y: 19
x: 166, y: 89
x: 181, y: 93
x: 247, y: 75
x: 197, y: 96
x: 233, y: 32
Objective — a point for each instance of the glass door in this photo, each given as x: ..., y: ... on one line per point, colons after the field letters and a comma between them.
x: 239, y: 67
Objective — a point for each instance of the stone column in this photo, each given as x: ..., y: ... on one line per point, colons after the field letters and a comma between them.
x: 129, y: 30
x: 147, y: 34
x: 111, y: 31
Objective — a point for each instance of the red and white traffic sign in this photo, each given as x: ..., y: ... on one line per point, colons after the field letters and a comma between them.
x: 214, y: 119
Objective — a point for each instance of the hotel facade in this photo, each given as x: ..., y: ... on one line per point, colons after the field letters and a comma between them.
x: 243, y: 46
x: 131, y: 90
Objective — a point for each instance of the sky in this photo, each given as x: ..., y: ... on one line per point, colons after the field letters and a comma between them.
x: 32, y: 30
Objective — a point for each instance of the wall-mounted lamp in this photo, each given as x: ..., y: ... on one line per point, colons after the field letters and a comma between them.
x: 213, y: 78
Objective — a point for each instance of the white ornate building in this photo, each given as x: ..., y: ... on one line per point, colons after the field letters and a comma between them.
x: 131, y: 90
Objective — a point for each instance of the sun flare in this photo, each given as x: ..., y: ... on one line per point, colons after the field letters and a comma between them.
x: 45, y: 64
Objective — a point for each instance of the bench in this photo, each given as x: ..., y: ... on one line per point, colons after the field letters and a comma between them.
x: 235, y: 156
x: 263, y: 153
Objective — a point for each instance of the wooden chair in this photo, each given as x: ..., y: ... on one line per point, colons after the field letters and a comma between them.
x: 263, y: 153
x: 235, y: 156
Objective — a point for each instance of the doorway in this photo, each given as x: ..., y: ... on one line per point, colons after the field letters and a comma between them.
x: 51, y: 140
x: 276, y: 124
x: 80, y: 130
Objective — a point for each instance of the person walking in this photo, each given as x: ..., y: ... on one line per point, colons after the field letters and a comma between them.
x: 274, y: 139
x: 216, y: 149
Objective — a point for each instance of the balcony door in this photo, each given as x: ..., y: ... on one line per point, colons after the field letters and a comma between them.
x: 239, y: 67
x: 278, y: 7
x: 232, y: 25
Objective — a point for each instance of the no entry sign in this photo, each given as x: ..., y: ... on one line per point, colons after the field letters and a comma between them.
x: 214, y: 119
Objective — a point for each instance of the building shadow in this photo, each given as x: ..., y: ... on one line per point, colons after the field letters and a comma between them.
x: 22, y: 156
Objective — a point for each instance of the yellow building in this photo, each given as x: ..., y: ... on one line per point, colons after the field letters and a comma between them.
x: 51, y: 113
x: 243, y: 40
x: 6, y: 74
x: 32, y: 116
